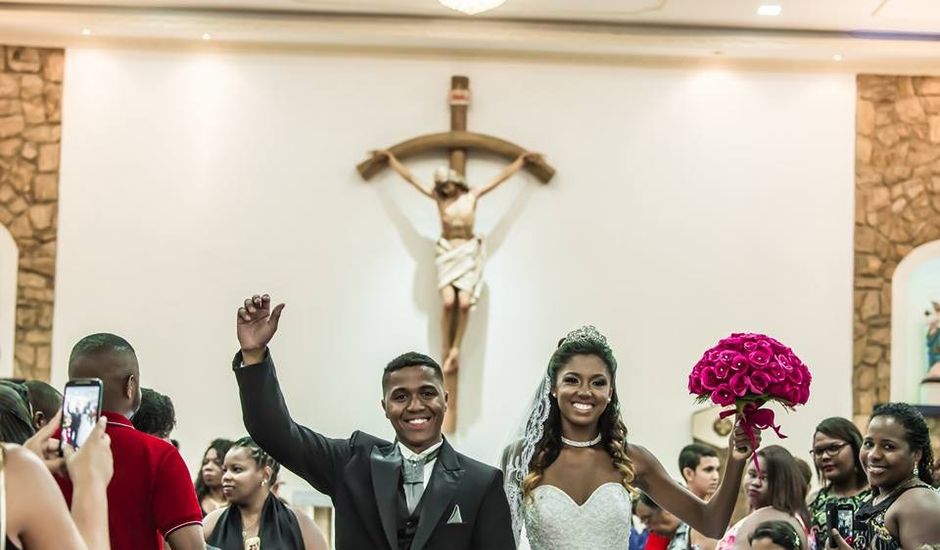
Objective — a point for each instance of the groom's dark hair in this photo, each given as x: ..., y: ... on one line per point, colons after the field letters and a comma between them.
x: 412, y: 359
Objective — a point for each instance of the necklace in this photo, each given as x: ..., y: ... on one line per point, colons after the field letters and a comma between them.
x: 901, y: 486
x: 572, y: 443
x: 245, y: 530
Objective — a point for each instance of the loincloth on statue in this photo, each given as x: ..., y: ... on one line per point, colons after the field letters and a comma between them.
x: 461, y: 265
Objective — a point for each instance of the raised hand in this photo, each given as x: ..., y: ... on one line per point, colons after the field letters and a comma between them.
x: 741, y: 446
x: 256, y: 325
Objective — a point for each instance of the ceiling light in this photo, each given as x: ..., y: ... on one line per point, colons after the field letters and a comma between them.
x: 86, y: 32
x: 837, y: 57
x: 471, y: 7
x: 206, y: 36
x: 769, y: 9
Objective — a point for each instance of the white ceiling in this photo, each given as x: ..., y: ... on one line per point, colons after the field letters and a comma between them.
x: 910, y: 16
x: 871, y: 35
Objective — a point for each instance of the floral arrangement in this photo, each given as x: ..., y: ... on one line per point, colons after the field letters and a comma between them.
x: 747, y: 370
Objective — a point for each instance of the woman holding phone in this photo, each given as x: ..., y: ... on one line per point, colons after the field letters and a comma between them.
x: 35, y: 513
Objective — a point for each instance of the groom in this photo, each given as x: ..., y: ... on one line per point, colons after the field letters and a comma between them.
x: 416, y: 493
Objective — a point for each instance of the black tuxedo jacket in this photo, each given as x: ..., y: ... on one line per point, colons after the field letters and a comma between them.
x: 361, y: 475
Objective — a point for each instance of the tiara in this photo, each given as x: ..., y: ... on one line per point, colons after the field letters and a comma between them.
x: 587, y: 334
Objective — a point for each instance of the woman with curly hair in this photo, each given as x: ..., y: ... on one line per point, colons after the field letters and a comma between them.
x: 903, y: 509
x: 570, y: 472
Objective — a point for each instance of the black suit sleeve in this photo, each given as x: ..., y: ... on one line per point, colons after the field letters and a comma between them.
x: 315, y: 458
x: 493, y: 526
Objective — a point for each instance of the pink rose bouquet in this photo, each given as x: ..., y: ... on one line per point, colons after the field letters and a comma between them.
x: 746, y: 371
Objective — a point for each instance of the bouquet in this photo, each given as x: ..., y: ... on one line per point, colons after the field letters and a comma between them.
x: 746, y: 371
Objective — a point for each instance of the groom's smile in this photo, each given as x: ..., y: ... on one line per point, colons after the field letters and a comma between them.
x: 415, y: 404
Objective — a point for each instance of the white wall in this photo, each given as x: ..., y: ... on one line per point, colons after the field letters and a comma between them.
x: 9, y: 261
x: 688, y: 204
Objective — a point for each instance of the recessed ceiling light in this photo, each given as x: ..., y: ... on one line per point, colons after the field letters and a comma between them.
x: 86, y: 32
x: 769, y: 9
x: 837, y: 57
x: 206, y: 36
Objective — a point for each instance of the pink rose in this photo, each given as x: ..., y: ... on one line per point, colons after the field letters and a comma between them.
x: 722, y: 370
x: 738, y: 384
x: 795, y: 375
x: 709, y: 378
x: 776, y: 372
x: 758, y: 382
x: 723, y: 396
x: 793, y: 395
x: 803, y: 395
x: 739, y: 362
x: 695, y: 384
x: 731, y: 341
x: 759, y: 357
x: 784, y: 362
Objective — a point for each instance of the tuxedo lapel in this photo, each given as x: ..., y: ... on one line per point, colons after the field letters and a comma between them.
x: 440, y: 492
x: 386, y: 471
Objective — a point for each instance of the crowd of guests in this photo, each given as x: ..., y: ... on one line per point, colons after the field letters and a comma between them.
x: 130, y: 467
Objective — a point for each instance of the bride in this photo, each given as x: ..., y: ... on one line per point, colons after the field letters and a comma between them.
x: 570, y: 472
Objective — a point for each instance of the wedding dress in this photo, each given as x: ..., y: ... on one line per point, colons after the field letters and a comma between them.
x: 554, y: 521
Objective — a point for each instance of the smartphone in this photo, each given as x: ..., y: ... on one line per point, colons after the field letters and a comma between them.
x: 841, y: 517
x: 81, y: 408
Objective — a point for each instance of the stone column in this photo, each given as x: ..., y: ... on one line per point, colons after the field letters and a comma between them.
x: 30, y: 130
x: 897, y: 208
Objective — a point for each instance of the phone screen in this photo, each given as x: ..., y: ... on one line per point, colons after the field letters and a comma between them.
x: 80, y: 412
x: 845, y: 517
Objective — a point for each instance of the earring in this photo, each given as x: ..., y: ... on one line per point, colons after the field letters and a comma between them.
x: 264, y: 482
x: 916, y: 471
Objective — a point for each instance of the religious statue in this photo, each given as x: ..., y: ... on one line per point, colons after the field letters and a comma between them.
x: 460, y: 251
x: 933, y: 343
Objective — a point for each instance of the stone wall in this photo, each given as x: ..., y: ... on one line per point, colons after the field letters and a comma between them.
x: 897, y: 185
x: 30, y: 128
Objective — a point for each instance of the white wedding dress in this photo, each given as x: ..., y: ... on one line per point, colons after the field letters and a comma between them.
x: 553, y: 521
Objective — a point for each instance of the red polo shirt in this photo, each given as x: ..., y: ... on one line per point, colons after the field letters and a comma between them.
x: 150, y: 494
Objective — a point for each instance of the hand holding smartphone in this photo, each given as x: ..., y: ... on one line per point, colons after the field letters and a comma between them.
x: 840, y: 517
x: 81, y: 408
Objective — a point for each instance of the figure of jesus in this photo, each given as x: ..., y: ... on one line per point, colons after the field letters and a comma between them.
x: 459, y: 252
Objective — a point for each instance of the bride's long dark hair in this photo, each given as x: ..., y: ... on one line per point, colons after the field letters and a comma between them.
x: 610, y: 425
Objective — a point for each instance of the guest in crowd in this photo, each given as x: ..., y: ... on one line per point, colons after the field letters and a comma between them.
x: 807, y: 472
x: 775, y: 535
x: 701, y: 469
x: 16, y: 426
x: 776, y: 493
x: 254, y: 514
x: 156, y: 415
x: 44, y: 401
x: 836, y: 446
x: 151, y: 496
x: 34, y: 512
x: 209, y: 481
x: 903, y: 510
x: 662, y: 523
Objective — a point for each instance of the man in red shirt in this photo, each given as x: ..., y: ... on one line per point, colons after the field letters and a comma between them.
x: 150, y: 496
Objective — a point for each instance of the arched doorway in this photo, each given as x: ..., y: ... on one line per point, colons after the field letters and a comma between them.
x: 915, y: 287
x: 9, y: 259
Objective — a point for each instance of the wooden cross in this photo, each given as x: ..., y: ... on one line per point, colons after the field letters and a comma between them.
x: 457, y: 142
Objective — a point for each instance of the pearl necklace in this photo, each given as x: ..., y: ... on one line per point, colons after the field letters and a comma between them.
x: 572, y: 443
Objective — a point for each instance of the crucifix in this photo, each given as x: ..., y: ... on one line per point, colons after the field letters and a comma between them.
x: 459, y: 251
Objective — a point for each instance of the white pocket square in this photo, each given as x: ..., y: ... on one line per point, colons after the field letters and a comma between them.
x: 455, y: 516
